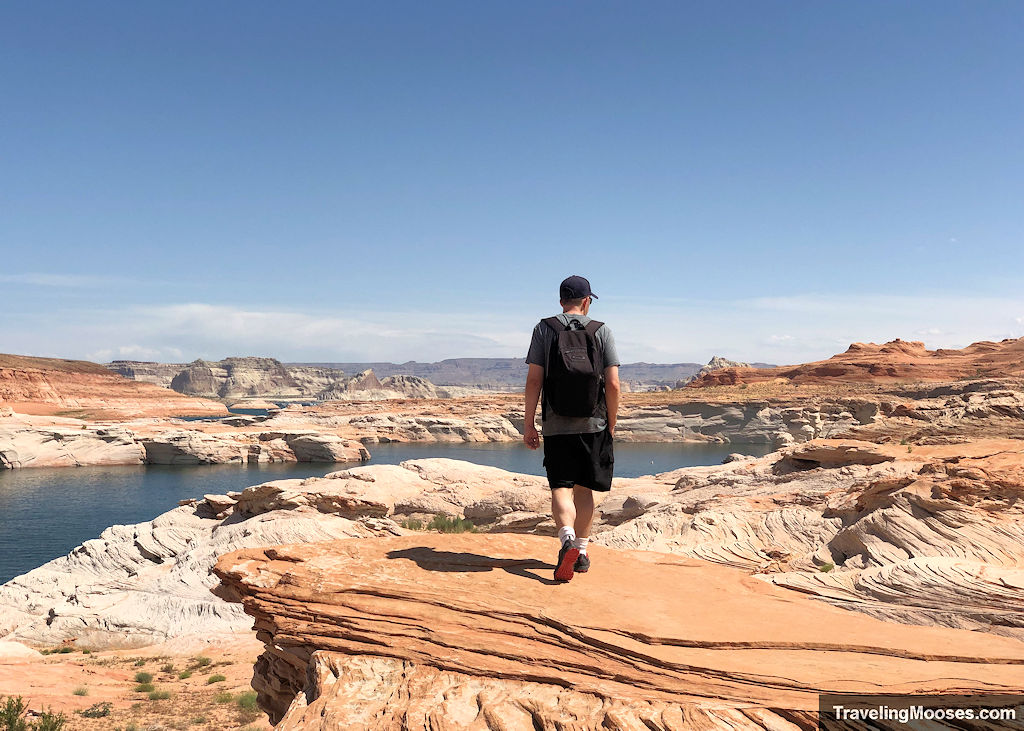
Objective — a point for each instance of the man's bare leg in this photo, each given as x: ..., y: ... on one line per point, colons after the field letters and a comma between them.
x: 563, y: 510
x: 563, y: 507
x: 583, y: 500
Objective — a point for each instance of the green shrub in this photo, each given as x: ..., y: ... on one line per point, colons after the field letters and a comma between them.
x: 143, y: 677
x: 247, y: 701
x: 144, y: 687
x: 98, y: 710
x: 445, y: 524
x: 168, y: 668
x: 140, y: 662
x: 11, y: 715
x: 86, y: 651
x: 826, y: 567
x: 412, y: 524
x: 184, y: 674
x: 81, y: 690
x: 201, y: 662
x: 215, y: 679
x: 223, y: 697
x: 12, y: 718
x: 199, y: 721
x: 160, y: 695
x: 50, y: 722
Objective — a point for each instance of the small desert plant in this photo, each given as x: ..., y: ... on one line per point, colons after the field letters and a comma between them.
x: 144, y: 687
x: 215, y: 679
x: 445, y: 524
x: 140, y: 662
x: 12, y: 718
x: 98, y: 710
x: 247, y: 701
x: 223, y: 697
x: 12, y: 715
x: 199, y: 721
x: 86, y: 651
x: 168, y: 668
x: 184, y: 674
x: 160, y: 695
x: 201, y: 662
x: 826, y: 567
x: 143, y: 677
x: 81, y: 690
x: 49, y: 721
x: 412, y: 524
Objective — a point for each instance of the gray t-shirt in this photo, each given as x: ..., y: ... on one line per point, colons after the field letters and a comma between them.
x: 540, y: 346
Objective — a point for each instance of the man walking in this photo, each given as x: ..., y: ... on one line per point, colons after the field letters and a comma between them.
x: 573, y: 361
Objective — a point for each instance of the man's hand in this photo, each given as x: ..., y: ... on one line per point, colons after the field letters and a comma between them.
x: 530, y: 437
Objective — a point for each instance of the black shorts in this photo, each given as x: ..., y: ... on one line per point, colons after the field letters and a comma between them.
x: 580, y: 459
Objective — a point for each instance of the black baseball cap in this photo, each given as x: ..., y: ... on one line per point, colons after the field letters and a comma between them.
x: 575, y: 288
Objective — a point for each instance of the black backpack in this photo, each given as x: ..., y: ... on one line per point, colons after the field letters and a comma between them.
x: 574, y: 377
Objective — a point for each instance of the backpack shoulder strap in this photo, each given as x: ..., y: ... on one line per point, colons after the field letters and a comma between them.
x: 592, y: 327
x: 554, y: 323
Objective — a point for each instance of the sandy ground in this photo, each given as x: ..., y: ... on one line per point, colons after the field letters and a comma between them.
x: 75, y: 682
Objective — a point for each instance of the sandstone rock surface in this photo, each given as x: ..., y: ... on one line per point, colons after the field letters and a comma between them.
x: 23, y: 444
x: 51, y: 386
x: 140, y: 584
x: 897, y: 360
x: 469, y: 631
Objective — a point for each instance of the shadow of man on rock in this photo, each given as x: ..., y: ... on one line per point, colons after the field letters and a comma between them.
x: 431, y: 559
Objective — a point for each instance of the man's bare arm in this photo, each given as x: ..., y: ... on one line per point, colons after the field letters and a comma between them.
x: 534, y: 381
x: 612, y: 389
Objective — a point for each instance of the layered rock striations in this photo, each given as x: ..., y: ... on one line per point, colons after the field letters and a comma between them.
x: 139, y: 584
x: 53, y: 386
x: 27, y: 441
x: 895, y: 361
x: 470, y: 631
x: 933, y: 536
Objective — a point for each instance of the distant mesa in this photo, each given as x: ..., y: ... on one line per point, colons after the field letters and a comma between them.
x: 251, y: 377
x: 892, y: 362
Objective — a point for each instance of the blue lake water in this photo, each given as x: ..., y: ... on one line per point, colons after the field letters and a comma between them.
x: 44, y: 513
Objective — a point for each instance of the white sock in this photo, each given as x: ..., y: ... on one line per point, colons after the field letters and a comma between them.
x: 566, y: 533
x: 581, y: 543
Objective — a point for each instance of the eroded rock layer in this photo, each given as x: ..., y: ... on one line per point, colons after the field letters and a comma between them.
x: 897, y: 360
x: 470, y: 631
x: 50, y: 385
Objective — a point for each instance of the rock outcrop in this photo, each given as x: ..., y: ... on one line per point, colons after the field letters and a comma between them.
x: 469, y: 631
x: 23, y: 445
x: 895, y: 361
x: 140, y: 584
x: 184, y: 446
x: 716, y: 363
x: 34, y: 441
x: 53, y: 386
x: 235, y: 378
x: 933, y: 536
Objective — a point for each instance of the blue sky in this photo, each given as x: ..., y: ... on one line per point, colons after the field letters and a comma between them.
x: 407, y: 180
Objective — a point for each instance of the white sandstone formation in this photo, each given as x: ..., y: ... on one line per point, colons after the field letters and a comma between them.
x: 932, y: 536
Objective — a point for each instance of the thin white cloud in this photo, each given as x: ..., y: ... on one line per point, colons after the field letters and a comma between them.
x: 43, y: 279
x: 816, y: 326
